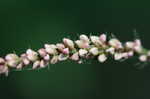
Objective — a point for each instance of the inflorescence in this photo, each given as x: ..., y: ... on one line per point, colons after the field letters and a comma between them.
x: 99, y: 47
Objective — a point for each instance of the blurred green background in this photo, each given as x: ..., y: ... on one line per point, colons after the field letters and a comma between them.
x: 31, y: 23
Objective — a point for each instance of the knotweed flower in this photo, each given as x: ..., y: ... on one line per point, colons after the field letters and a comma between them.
x: 94, y: 51
x: 93, y: 47
x: 54, y: 59
x: 66, y: 50
x: 60, y: 47
x: 102, y: 58
x: 118, y: 56
x: 143, y: 58
x: 69, y: 43
x: 110, y: 50
x: 103, y: 38
x: 115, y: 43
x: 75, y: 56
x: 36, y: 64
x: 42, y: 52
x: 82, y: 44
x: 95, y: 40
x: 24, y: 59
x: 32, y: 55
x: 12, y: 60
x: 3, y: 67
x: 82, y: 52
x: 84, y: 38
x: 50, y: 49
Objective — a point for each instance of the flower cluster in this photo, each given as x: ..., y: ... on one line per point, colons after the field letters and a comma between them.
x: 99, y: 47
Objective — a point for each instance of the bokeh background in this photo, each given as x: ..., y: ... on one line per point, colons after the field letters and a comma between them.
x: 31, y: 23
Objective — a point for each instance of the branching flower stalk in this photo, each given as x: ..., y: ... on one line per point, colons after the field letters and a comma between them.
x: 99, y: 47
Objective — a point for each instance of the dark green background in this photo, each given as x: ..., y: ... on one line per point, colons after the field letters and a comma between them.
x: 31, y: 23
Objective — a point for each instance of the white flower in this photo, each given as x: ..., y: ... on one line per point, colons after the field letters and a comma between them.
x: 82, y: 52
x: 62, y: 57
x: 19, y: 66
x: 102, y: 58
x: 36, y: 64
x: 118, y: 56
x: 47, y: 57
x: 25, y: 60
x: 138, y: 42
x: 84, y: 38
x: 130, y: 53
x: 3, y: 67
x: 94, y: 51
x: 42, y: 52
x: 110, y: 50
x: 54, y: 59
x: 4, y: 70
x: 66, y: 50
x: 143, y: 58
x: 138, y: 46
x: 82, y: 44
x: 60, y: 46
x: 68, y: 43
x: 129, y: 45
x: 32, y: 55
x: 95, y: 40
x: 125, y: 55
x: 115, y: 43
x: 75, y: 56
x: 43, y: 64
x: 50, y: 48
x: 103, y: 37
x: 12, y: 60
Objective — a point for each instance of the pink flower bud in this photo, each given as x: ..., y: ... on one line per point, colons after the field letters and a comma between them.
x: 138, y: 46
x: 12, y: 60
x: 125, y: 55
x: 94, y: 51
x: 2, y: 61
x: 43, y: 64
x: 84, y: 38
x: 102, y: 58
x: 110, y: 50
x: 95, y: 40
x: 54, y: 59
x: 42, y: 52
x: 103, y: 38
x: 3, y: 67
x: 32, y: 55
x: 129, y: 45
x: 143, y: 58
x: 82, y: 52
x: 68, y: 43
x: 118, y: 56
x: 36, y: 64
x: 130, y: 53
x: 115, y: 43
x: 51, y: 49
x: 75, y: 56
x: 137, y: 42
x: 24, y: 59
x: 60, y: 46
x: 82, y: 44
x: 4, y: 70
x: 66, y: 51
x: 47, y: 57
x: 19, y: 66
